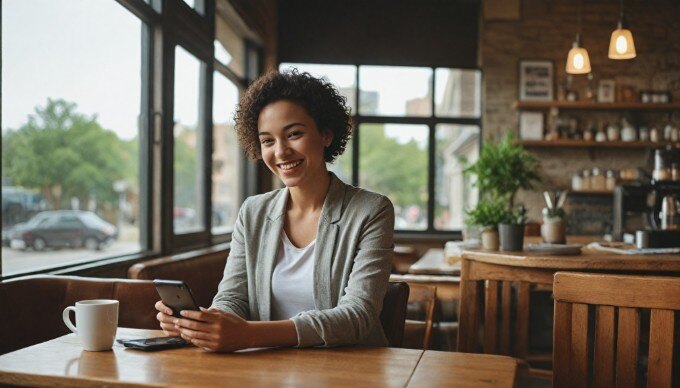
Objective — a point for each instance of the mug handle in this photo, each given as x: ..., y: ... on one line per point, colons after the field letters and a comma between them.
x: 67, y: 318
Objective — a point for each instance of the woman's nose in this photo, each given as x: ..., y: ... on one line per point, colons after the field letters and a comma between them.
x: 282, y: 148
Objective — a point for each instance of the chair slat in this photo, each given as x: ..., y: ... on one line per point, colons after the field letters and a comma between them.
x: 562, y: 345
x: 468, y: 315
x: 522, y: 329
x: 628, y: 342
x: 506, y: 304
x: 491, y: 317
x: 579, y: 345
x: 661, y: 339
x: 603, y: 360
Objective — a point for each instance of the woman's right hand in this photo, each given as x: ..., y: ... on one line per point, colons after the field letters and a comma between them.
x: 166, y: 319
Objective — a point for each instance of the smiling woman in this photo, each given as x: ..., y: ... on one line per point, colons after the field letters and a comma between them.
x: 309, y: 263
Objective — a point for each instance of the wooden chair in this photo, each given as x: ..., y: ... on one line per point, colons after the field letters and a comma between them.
x: 598, y: 338
x: 393, y: 314
x: 445, y: 316
x: 423, y: 299
x: 487, y: 308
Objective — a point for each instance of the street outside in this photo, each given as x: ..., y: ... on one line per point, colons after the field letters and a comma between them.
x: 15, y: 259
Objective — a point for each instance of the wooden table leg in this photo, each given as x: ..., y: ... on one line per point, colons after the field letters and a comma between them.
x: 469, y: 309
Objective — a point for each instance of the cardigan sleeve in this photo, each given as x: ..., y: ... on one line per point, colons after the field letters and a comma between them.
x: 232, y: 292
x: 358, y: 310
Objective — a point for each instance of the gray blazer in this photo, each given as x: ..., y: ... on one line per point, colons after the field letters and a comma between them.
x: 352, y: 265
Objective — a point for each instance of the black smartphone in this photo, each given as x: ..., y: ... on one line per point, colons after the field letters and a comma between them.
x: 176, y: 295
x: 157, y: 343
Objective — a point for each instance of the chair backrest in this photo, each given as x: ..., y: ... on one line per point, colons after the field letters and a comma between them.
x: 33, y: 305
x: 202, y: 270
x: 598, y: 336
x: 497, y: 307
x: 393, y: 315
x: 424, y: 298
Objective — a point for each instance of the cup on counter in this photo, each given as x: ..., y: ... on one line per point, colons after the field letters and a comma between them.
x: 97, y: 321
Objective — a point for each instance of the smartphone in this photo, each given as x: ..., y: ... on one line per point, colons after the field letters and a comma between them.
x: 176, y: 295
x: 157, y: 343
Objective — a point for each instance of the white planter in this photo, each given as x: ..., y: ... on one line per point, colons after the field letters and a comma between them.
x: 490, y: 240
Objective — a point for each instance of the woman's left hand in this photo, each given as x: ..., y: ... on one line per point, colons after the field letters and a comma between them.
x: 214, y: 330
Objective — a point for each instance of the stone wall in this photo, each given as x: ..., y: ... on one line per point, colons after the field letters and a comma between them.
x: 545, y: 30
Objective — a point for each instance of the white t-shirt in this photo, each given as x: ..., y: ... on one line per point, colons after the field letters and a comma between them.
x: 292, y: 280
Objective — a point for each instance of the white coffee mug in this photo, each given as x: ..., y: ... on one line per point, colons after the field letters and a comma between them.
x: 97, y: 323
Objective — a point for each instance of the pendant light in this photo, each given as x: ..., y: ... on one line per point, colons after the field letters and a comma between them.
x: 621, y: 45
x: 578, y: 61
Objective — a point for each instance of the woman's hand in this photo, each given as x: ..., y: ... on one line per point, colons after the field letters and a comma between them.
x: 166, y: 319
x: 214, y: 330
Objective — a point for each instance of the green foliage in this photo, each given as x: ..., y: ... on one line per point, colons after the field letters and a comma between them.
x: 488, y: 213
x: 504, y: 168
x: 186, y: 175
x: 64, y: 154
x: 396, y: 170
x: 516, y: 216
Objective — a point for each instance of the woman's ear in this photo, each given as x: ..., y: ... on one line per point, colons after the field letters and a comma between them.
x: 327, y: 137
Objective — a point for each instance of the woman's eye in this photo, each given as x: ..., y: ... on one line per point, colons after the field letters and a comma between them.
x: 266, y: 141
x: 295, y: 134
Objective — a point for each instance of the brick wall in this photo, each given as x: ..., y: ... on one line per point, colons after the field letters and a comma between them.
x: 545, y: 31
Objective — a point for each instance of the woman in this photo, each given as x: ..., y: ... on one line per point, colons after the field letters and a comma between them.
x: 309, y: 263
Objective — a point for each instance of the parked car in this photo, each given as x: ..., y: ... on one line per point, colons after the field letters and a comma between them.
x: 64, y: 228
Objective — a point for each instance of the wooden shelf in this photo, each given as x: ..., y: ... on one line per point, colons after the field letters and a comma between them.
x: 587, y: 105
x: 590, y: 192
x: 593, y: 144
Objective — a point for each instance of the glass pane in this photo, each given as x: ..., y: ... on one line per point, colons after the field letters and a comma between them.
x: 342, y: 166
x: 393, y: 162
x: 458, y: 93
x: 192, y: 4
x: 229, y: 47
x: 226, y: 158
x: 456, y: 146
x: 395, y: 91
x: 70, y: 132
x: 343, y: 77
x: 188, y: 183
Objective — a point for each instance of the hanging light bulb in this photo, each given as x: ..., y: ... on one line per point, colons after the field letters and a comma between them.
x: 578, y: 61
x: 621, y: 44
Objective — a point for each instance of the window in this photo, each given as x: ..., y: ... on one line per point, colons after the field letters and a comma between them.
x: 227, y: 159
x: 417, y: 129
x: 71, y: 127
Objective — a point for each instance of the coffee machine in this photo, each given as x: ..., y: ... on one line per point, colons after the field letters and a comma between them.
x: 653, y: 205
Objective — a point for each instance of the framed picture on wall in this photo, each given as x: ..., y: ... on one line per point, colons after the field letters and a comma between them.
x: 531, y: 125
x: 536, y: 81
x: 606, y: 90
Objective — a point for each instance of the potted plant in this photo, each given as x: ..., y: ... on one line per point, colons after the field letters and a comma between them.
x: 487, y: 214
x: 503, y: 169
x: 511, y: 229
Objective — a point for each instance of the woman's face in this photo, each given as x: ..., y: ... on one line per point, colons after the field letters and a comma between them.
x: 292, y: 146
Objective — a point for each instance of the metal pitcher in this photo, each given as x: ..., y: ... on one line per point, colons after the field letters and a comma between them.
x: 669, y: 215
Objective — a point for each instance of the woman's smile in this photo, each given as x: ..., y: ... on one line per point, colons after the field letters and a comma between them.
x: 289, y: 168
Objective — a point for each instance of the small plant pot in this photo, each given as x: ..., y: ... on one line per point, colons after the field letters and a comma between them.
x: 554, y: 230
x: 511, y: 236
x: 490, y: 239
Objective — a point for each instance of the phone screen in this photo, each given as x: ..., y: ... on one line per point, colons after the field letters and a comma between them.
x: 176, y: 295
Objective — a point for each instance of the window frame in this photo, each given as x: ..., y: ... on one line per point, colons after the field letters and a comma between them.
x: 167, y: 24
x: 431, y: 121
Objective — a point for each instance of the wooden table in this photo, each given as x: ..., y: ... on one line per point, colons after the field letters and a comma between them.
x: 433, y: 263
x: 61, y: 361
x: 488, y: 279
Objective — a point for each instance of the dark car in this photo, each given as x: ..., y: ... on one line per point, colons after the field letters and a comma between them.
x: 64, y: 228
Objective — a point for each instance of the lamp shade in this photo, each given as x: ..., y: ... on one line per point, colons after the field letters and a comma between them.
x: 621, y: 45
x: 578, y: 61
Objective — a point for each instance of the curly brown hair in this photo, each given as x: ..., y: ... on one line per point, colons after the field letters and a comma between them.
x: 320, y: 99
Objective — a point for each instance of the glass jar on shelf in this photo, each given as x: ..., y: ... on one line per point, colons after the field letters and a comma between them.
x: 577, y: 182
x: 598, y: 181
x: 610, y: 182
x: 586, y: 180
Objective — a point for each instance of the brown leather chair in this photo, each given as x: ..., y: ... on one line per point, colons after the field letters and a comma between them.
x: 393, y: 315
x: 33, y: 305
x: 202, y: 270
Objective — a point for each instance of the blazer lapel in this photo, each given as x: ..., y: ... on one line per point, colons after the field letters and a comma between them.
x: 270, y: 240
x: 325, y: 248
